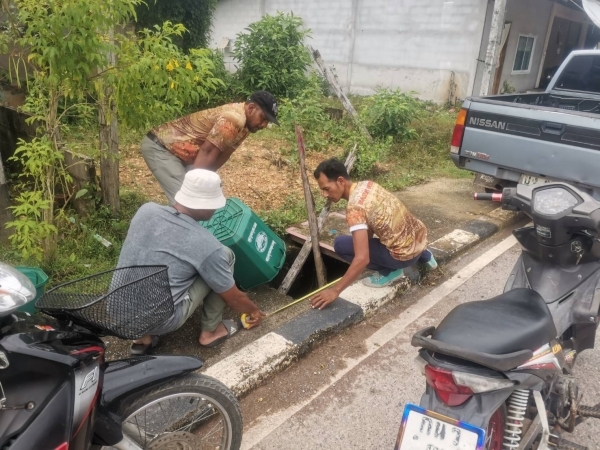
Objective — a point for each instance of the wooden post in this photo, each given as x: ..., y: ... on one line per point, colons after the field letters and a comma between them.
x: 495, y: 39
x: 5, y: 213
x: 109, y: 144
x: 338, y: 90
x: 310, y: 209
x: 307, y: 246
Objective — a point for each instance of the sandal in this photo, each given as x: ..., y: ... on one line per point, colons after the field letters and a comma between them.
x: 232, y: 329
x: 143, y: 349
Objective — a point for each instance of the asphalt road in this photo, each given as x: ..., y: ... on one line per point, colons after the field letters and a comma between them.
x: 350, y: 393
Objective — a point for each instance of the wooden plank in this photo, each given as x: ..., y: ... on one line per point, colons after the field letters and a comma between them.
x: 307, y: 246
x: 338, y: 90
x: 310, y: 209
x: 300, y: 237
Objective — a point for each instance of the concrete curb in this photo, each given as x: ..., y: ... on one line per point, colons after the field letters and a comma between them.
x: 248, y: 367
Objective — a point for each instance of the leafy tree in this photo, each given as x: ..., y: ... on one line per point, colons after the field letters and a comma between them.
x: 273, y: 57
x: 70, y: 53
x: 195, y: 15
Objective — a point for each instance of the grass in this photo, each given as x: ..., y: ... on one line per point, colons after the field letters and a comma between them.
x: 292, y: 212
x: 425, y: 158
x: 78, y: 253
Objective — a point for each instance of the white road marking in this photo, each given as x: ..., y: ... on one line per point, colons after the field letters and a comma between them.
x: 268, y: 424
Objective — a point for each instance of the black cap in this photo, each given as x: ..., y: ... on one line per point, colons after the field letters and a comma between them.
x: 267, y: 103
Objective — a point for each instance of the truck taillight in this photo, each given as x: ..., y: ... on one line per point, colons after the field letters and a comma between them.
x: 445, y: 387
x: 459, y: 131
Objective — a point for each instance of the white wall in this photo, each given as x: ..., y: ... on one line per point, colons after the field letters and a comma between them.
x: 410, y: 44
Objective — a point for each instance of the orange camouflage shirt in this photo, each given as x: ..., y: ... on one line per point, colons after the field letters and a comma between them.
x: 371, y: 207
x: 224, y: 127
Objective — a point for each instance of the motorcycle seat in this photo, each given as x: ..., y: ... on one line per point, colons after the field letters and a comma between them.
x: 516, y: 320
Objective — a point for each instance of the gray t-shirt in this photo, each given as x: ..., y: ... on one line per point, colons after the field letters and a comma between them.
x: 159, y: 235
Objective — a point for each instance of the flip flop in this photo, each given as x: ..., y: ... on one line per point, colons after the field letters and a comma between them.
x: 232, y: 329
x: 142, y: 349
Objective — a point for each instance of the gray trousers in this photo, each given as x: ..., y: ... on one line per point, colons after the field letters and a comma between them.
x: 198, y: 295
x: 167, y: 168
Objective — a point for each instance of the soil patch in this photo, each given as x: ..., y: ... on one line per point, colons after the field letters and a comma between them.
x: 256, y: 173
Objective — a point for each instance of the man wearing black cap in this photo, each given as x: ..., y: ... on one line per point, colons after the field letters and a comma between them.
x: 204, y: 140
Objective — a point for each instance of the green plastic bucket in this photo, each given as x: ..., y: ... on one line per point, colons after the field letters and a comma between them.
x: 39, y: 279
x: 259, y: 252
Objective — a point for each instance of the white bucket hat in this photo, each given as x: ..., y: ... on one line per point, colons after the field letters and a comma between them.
x: 201, y: 189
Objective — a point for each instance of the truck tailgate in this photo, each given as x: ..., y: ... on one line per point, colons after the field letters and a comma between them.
x: 507, y: 140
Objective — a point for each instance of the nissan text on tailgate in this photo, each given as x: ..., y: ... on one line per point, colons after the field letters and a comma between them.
x: 536, y: 138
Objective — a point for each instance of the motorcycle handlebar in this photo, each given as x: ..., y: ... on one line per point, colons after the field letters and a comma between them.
x: 488, y: 197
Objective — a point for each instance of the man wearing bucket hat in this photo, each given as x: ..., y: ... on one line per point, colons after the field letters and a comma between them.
x: 205, y: 139
x: 200, y: 267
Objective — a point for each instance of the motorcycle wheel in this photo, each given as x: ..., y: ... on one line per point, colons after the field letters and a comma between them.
x: 190, y: 413
x: 495, y: 429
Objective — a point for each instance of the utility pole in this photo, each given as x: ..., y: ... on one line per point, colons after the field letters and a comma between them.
x: 491, y: 56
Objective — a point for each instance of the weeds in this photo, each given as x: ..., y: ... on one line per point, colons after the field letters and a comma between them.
x: 78, y: 253
x: 293, y: 211
x: 390, y: 114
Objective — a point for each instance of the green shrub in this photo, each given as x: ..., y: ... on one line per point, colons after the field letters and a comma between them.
x: 195, y: 15
x: 389, y: 113
x: 224, y: 93
x: 272, y: 56
x: 307, y: 109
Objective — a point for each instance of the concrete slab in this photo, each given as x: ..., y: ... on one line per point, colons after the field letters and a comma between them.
x: 303, y: 329
x: 454, y: 241
x: 244, y: 370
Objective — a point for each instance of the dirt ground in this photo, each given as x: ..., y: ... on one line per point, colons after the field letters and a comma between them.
x: 256, y: 174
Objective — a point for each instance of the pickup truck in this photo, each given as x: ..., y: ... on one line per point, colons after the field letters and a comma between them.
x: 536, y: 137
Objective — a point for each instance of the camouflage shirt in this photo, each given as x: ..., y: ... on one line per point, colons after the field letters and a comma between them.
x: 371, y: 207
x: 224, y: 127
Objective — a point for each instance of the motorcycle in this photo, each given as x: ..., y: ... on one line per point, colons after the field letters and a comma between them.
x: 58, y: 392
x: 499, y: 371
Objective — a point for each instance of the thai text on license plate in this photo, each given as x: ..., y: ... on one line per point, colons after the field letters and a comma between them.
x: 426, y: 430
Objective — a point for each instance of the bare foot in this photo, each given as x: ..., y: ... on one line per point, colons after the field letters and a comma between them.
x: 144, y: 340
x: 206, y: 337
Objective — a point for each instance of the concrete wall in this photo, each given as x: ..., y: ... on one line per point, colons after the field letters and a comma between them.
x: 411, y: 44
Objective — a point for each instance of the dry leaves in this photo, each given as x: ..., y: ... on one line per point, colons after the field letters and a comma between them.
x: 256, y: 173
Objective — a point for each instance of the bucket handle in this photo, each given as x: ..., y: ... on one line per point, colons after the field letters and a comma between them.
x: 282, y: 262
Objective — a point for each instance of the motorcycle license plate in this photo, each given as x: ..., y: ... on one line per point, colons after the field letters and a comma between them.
x: 426, y: 430
x: 529, y: 180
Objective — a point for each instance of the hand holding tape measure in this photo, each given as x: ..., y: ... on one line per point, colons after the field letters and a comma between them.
x: 247, y: 323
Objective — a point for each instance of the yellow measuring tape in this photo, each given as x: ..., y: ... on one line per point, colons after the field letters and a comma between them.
x: 243, y: 318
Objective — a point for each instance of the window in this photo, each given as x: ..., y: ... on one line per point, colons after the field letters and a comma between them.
x: 524, y: 54
x: 581, y: 74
